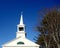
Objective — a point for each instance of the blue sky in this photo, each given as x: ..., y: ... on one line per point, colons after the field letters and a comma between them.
x: 10, y: 11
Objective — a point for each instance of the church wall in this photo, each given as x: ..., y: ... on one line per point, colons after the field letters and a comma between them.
x: 20, y: 47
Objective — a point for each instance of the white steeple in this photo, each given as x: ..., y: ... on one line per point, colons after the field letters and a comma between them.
x: 21, y: 28
x: 21, y: 19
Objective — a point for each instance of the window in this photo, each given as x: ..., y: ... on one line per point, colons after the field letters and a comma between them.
x: 20, y: 28
x: 20, y: 43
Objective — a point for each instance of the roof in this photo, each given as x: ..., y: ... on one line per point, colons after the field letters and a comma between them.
x: 24, y: 40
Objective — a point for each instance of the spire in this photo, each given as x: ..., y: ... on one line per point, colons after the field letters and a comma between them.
x: 21, y: 19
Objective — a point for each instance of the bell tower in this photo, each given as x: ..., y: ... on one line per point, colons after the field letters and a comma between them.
x: 20, y: 28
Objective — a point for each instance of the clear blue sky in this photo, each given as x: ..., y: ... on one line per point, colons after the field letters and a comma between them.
x: 10, y: 16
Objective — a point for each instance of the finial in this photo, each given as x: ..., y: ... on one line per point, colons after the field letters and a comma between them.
x: 21, y: 13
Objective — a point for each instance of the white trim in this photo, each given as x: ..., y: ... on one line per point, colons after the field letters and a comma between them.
x: 10, y: 41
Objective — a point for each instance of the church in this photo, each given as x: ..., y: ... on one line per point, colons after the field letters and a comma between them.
x: 20, y: 41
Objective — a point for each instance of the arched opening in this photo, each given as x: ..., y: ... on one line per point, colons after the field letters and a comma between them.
x: 20, y: 43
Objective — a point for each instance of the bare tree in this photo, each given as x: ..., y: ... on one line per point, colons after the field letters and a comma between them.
x: 49, y: 29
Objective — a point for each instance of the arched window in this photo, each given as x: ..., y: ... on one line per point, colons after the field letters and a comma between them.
x: 20, y: 43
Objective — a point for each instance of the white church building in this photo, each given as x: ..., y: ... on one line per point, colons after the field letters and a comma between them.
x: 20, y: 41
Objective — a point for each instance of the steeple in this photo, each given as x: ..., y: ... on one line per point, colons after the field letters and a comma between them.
x: 21, y: 28
x: 21, y: 19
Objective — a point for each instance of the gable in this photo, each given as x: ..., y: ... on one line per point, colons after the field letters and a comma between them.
x: 20, y: 42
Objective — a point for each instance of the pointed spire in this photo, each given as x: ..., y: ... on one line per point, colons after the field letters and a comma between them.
x: 21, y: 19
